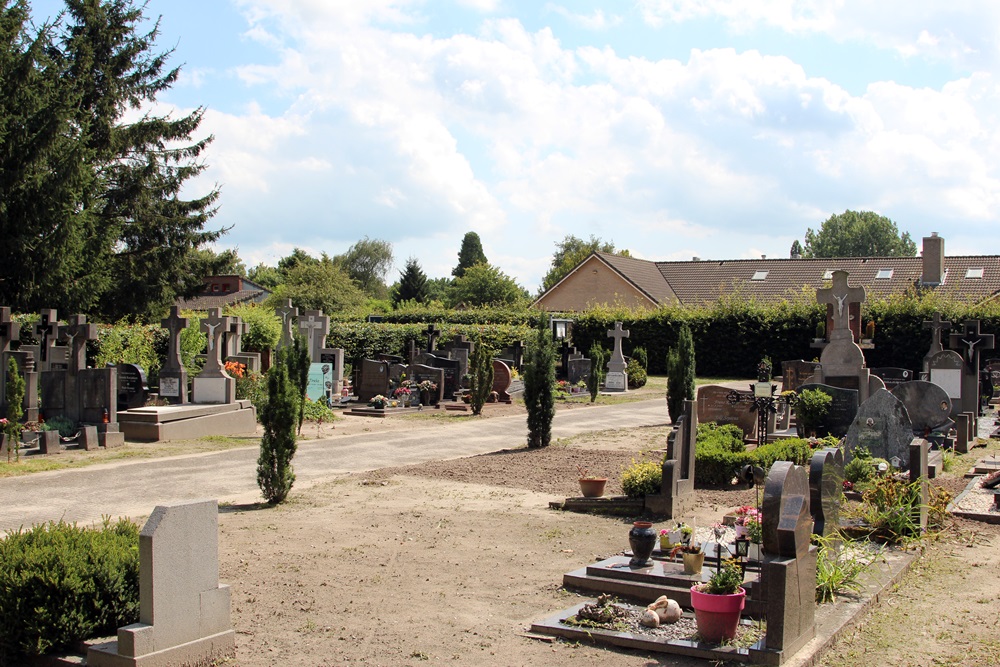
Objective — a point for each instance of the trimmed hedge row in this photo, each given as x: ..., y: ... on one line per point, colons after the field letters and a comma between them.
x: 60, y: 584
x: 718, y: 459
x: 362, y: 340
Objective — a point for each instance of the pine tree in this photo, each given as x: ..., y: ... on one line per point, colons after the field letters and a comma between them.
x: 470, y: 254
x: 539, y: 386
x: 278, y: 418
x: 598, y: 358
x: 90, y: 210
x: 412, y: 284
x: 680, y: 373
x: 481, y: 383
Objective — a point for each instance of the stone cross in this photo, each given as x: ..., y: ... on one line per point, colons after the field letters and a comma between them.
x: 432, y: 334
x: 936, y: 325
x: 215, y: 325
x: 174, y: 324
x: 76, y: 334
x: 969, y: 342
x: 618, y: 333
x: 9, y: 331
x: 841, y: 296
x: 234, y: 337
x: 316, y: 327
x: 47, y: 330
x: 287, y: 312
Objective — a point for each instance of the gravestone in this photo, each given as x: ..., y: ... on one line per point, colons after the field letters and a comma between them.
x: 320, y: 383
x: 233, y: 347
x: 883, y: 426
x: 842, y: 410
x: 893, y: 377
x: 971, y: 343
x: 501, y: 380
x: 796, y: 373
x: 173, y: 375
x: 993, y: 367
x: 945, y: 370
x: 459, y: 348
x: 919, y: 475
x: 452, y: 376
x: 616, y: 380
x: 288, y: 314
x: 420, y: 373
x: 213, y: 384
x: 577, y: 367
x: 937, y: 327
x: 714, y: 406
x: 46, y: 330
x: 432, y: 335
x: 374, y: 380
x: 132, y: 387
x: 315, y: 327
x: 334, y: 356
x: 826, y: 483
x: 842, y: 360
x: 184, y: 612
x: 927, y: 405
x: 788, y: 571
x: 676, y: 496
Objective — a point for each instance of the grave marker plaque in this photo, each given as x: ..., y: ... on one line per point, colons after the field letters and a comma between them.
x: 714, y: 406
x: 893, y: 377
x: 945, y: 370
x: 132, y: 388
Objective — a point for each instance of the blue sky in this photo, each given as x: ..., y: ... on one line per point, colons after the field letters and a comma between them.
x: 674, y: 128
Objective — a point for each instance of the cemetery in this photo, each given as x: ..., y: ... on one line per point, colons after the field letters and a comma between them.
x: 798, y: 499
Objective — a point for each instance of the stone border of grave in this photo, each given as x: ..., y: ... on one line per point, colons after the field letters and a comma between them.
x: 954, y: 507
x: 832, y: 622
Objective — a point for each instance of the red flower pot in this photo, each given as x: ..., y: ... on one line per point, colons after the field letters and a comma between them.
x: 717, y: 616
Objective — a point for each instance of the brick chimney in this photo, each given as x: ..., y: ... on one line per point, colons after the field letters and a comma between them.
x: 933, y: 260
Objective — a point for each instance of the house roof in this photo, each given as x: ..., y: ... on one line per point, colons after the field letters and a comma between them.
x: 213, y: 297
x: 776, y: 279
x: 641, y: 273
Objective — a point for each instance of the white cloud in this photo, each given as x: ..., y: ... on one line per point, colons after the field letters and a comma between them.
x: 597, y: 20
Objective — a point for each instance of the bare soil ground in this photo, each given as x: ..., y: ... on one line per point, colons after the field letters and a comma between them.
x: 450, y: 562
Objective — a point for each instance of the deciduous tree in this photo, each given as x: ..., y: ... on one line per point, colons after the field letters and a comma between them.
x: 570, y: 252
x: 485, y: 285
x: 859, y: 234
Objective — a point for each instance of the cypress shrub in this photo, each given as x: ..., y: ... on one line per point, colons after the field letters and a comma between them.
x: 481, y: 381
x: 60, y: 584
x: 15, y: 407
x: 279, y: 418
x: 598, y: 359
x: 680, y: 373
x: 539, y: 386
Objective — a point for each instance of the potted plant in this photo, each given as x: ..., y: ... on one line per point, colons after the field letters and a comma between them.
x: 591, y: 486
x: 718, y: 603
x: 679, y: 534
x: 692, y: 556
x: 811, y: 409
x: 379, y: 402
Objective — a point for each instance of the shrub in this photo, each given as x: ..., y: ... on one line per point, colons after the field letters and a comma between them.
x: 66, y: 428
x: 718, y: 459
x: 598, y: 358
x: 279, y: 418
x: 680, y: 373
x: 15, y: 398
x: 539, y: 386
x: 889, y: 508
x: 812, y: 407
x: 636, y: 374
x: 263, y: 326
x: 124, y: 343
x: 837, y: 570
x: 642, y: 478
x: 316, y: 411
x: 725, y: 436
x: 642, y: 357
x: 481, y: 376
x: 60, y: 584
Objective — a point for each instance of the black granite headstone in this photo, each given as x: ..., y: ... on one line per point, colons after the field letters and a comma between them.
x: 842, y: 410
x: 893, y: 377
x: 927, y: 405
x: 132, y: 388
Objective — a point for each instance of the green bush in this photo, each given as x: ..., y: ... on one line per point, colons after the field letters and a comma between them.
x: 315, y: 411
x: 60, y: 584
x: 263, y: 326
x: 279, y: 418
x: 124, y: 343
x: 728, y: 437
x: 719, y: 461
x: 636, y: 374
x: 642, y: 478
x: 811, y: 408
x: 680, y: 367
x: 66, y: 428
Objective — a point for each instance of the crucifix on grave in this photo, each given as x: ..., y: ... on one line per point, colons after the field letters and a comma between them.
x: 46, y: 329
x: 75, y: 335
x: 616, y: 380
x: 316, y: 327
x: 937, y: 326
x: 969, y: 343
x: 432, y: 336
x: 840, y: 297
x: 213, y: 384
x: 173, y: 375
x: 287, y: 312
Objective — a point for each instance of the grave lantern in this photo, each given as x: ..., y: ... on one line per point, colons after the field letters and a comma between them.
x: 895, y: 461
x: 561, y: 328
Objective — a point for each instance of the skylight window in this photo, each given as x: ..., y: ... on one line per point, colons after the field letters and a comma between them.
x: 828, y: 274
x: 974, y: 273
x: 759, y: 275
x: 883, y: 274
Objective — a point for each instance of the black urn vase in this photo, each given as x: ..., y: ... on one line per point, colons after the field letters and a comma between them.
x: 642, y: 538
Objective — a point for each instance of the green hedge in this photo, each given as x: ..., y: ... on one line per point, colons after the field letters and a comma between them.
x: 60, y: 584
x: 362, y: 340
x: 716, y: 464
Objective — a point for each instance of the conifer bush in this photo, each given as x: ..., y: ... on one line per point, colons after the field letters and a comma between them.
x: 481, y: 382
x: 539, y: 386
x: 279, y: 418
x: 680, y: 373
x: 598, y: 358
x: 60, y: 584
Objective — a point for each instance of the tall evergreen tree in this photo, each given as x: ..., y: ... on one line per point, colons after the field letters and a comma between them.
x: 680, y: 373
x: 539, y: 385
x: 278, y: 417
x: 93, y: 220
x: 470, y: 254
x: 481, y: 371
x: 412, y: 284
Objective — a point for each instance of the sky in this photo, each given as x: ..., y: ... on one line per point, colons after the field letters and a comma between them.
x: 722, y: 129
